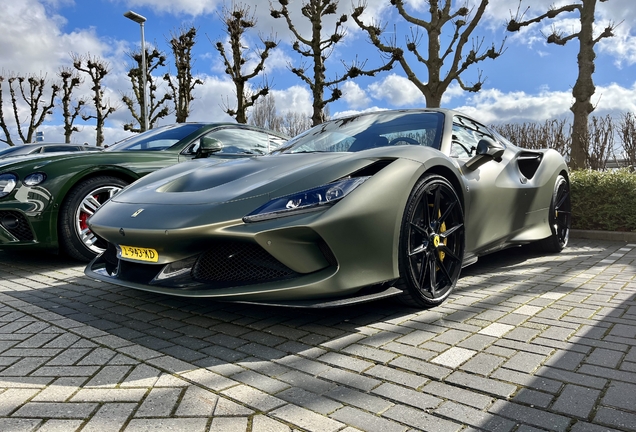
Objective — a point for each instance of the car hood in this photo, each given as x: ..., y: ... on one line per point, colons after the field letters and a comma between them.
x: 208, y: 181
x: 17, y: 159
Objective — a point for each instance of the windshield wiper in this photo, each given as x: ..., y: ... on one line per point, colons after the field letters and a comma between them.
x: 310, y: 151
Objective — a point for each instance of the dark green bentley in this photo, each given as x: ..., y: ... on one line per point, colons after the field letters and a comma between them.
x: 45, y: 200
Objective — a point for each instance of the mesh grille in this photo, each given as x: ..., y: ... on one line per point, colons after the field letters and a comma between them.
x: 327, y: 253
x: 242, y: 263
x: 16, y: 223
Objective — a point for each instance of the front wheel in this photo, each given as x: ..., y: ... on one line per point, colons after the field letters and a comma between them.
x: 76, y: 239
x: 431, y: 247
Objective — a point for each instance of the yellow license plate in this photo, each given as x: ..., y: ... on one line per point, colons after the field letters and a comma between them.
x: 139, y: 254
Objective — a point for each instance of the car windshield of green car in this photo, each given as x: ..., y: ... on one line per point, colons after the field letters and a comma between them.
x: 365, y: 131
x: 156, y: 139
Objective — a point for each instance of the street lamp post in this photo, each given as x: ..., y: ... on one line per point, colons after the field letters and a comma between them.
x: 144, y: 104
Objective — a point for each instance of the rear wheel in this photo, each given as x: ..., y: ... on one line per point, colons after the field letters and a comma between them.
x: 76, y: 239
x: 560, y: 218
x: 431, y: 248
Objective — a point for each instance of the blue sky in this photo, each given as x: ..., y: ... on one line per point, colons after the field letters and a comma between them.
x: 531, y: 81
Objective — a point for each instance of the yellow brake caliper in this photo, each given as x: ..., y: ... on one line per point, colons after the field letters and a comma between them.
x: 436, y: 240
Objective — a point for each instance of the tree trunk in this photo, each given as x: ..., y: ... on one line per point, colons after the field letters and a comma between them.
x: 584, y: 87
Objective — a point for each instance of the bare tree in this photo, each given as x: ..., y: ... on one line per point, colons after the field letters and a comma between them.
x: 157, y: 108
x: 554, y: 134
x: 294, y: 123
x: 627, y: 135
x: 263, y: 114
x: 31, y: 91
x: 181, y: 44
x: 600, y: 143
x: 70, y: 109
x: 236, y: 21
x: 3, y: 123
x: 318, y: 49
x: 584, y: 87
x: 433, y: 56
x: 96, y: 69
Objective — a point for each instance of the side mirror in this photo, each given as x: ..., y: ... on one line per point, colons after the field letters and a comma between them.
x: 487, y: 149
x: 207, y: 146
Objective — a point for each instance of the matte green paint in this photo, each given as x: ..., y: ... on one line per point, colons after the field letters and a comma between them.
x: 199, y: 205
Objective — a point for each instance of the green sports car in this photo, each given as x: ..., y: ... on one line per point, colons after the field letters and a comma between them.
x: 45, y: 200
x: 358, y: 208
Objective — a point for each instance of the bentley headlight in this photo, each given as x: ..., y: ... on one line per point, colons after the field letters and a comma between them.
x: 7, y: 184
x: 306, y: 201
x: 34, y: 179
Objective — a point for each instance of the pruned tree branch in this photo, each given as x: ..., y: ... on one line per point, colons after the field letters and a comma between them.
x: 433, y: 55
x: 584, y: 88
x: 237, y: 20
x: 96, y: 69
x: 70, y: 110
x: 182, y: 85
x: 157, y: 107
x: 318, y: 49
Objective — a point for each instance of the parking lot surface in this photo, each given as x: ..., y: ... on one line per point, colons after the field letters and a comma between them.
x: 525, y: 343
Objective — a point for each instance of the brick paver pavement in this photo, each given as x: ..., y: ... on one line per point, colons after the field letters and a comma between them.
x: 526, y: 343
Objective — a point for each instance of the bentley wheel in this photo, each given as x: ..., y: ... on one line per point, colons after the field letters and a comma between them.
x: 76, y: 239
x: 431, y: 244
x: 560, y: 218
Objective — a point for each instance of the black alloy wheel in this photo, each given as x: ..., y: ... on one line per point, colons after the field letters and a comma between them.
x: 560, y: 218
x: 431, y: 243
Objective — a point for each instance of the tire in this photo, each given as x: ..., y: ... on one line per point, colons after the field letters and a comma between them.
x: 76, y: 239
x: 560, y: 218
x: 431, y: 246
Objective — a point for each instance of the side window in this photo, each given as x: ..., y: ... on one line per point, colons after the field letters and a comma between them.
x: 51, y: 149
x: 243, y: 141
x: 466, y: 135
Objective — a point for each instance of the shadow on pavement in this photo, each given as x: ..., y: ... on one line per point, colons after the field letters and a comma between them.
x: 545, y: 342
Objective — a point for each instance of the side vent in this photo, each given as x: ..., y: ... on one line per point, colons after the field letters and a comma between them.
x: 372, y: 168
x: 528, y: 163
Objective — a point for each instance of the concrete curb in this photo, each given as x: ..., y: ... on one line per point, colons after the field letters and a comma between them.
x: 604, y: 235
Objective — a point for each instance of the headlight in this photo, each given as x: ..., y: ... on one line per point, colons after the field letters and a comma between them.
x: 34, y: 179
x: 7, y: 184
x: 306, y: 201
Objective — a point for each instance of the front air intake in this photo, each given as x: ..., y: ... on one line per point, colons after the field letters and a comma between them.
x: 235, y: 263
x: 16, y: 224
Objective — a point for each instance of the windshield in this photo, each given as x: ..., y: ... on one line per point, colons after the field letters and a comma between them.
x: 367, y: 131
x: 156, y: 139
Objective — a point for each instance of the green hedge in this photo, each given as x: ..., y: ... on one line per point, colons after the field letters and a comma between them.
x: 603, y: 200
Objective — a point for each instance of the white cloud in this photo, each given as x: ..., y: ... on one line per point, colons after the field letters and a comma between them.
x: 32, y: 41
x: 397, y: 91
x: 295, y: 98
x: 177, y: 7
x: 494, y: 106
x: 211, y: 98
x: 355, y: 97
x: 622, y: 47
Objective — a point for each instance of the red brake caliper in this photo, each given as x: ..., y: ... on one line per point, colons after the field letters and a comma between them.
x: 84, y: 217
